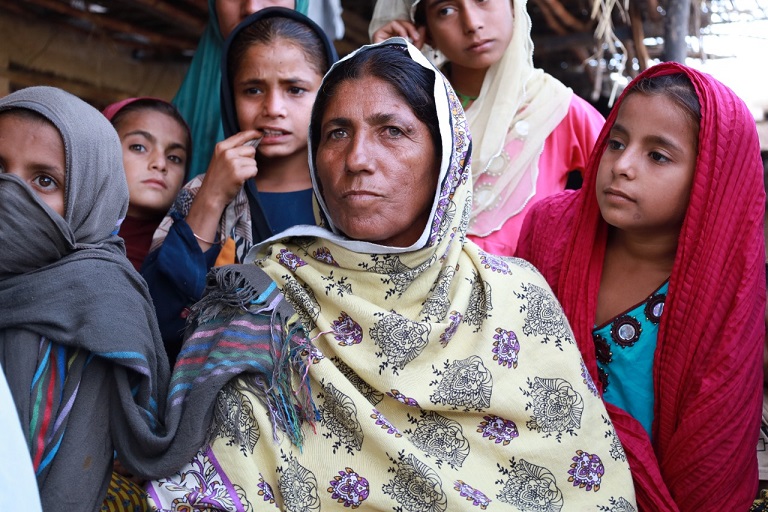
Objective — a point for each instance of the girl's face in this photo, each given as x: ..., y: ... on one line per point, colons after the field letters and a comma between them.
x: 231, y: 12
x: 471, y: 33
x: 645, y: 174
x: 33, y: 150
x: 154, y: 156
x: 274, y: 88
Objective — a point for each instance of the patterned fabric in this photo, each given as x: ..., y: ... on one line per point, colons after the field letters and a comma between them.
x: 124, y: 495
x: 624, y: 347
x: 706, y: 369
x: 440, y: 378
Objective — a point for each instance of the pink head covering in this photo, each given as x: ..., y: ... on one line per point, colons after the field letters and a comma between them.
x: 707, y: 369
x: 110, y: 110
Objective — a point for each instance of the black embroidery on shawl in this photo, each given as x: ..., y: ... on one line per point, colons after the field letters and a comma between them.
x: 439, y: 437
x: 529, y: 487
x: 556, y: 407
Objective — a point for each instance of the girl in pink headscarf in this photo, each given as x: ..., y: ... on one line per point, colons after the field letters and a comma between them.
x: 658, y: 263
x: 156, y: 154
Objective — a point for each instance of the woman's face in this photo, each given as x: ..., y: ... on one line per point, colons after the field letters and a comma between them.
x: 33, y: 150
x: 376, y: 164
x: 470, y: 33
x: 232, y: 12
x: 274, y: 89
x: 154, y: 156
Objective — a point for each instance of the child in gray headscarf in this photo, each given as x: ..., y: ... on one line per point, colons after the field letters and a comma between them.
x: 79, y: 342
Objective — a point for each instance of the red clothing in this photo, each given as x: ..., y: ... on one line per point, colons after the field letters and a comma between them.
x: 566, y: 149
x: 138, y: 237
x: 707, y: 366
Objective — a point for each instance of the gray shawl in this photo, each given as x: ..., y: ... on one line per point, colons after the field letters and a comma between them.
x: 78, y: 328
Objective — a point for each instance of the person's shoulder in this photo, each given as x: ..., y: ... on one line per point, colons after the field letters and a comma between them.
x: 580, y: 108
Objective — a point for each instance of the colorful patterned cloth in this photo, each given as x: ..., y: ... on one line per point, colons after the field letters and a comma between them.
x: 706, y: 371
x: 436, y: 377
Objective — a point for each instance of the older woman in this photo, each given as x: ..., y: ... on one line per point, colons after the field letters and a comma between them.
x: 401, y: 366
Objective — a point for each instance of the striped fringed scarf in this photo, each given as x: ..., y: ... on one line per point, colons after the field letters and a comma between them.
x: 53, y: 394
x: 244, y: 325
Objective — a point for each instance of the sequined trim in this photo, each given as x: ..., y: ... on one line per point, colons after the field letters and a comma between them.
x: 625, y: 331
x: 654, y: 308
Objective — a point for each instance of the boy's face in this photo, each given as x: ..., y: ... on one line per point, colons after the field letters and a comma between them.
x: 33, y: 150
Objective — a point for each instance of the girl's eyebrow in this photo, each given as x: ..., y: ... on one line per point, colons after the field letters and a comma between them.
x: 143, y: 133
x: 654, y: 139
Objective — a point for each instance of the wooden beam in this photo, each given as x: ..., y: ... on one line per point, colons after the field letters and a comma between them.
x: 111, y: 24
x: 92, y: 93
x: 171, y: 13
x: 638, y: 35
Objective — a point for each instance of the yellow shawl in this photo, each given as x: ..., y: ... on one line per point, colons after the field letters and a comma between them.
x: 444, y: 378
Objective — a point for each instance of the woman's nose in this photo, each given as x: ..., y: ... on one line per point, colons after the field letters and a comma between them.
x: 358, y: 157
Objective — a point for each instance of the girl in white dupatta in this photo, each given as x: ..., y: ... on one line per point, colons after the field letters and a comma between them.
x: 529, y: 130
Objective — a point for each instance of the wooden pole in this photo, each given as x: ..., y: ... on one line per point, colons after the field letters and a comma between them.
x: 675, y: 30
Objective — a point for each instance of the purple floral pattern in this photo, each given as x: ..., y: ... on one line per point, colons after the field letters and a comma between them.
x: 346, y: 331
x: 455, y: 320
x: 349, y: 488
x: 498, y: 429
x: 586, y: 471
x: 477, y: 498
x: 494, y: 263
x: 289, y: 260
x: 400, y: 397
x: 324, y: 254
x: 265, y: 490
x: 384, y: 423
x: 505, y: 348
x: 586, y: 378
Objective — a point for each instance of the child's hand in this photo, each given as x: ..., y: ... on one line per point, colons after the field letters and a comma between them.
x: 400, y: 28
x: 232, y: 164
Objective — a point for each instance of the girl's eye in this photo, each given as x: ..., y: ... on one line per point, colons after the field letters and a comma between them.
x: 615, y: 145
x: 296, y: 91
x: 658, y: 157
x: 45, y: 182
x: 445, y: 11
x: 137, y: 148
x: 253, y: 91
x: 176, y: 159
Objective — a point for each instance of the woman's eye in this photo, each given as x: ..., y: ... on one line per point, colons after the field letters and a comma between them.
x: 658, y: 157
x: 137, y: 148
x: 337, y: 134
x: 45, y: 182
x: 394, y: 132
x: 445, y: 11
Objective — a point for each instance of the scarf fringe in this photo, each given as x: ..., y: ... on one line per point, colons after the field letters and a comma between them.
x: 281, y: 382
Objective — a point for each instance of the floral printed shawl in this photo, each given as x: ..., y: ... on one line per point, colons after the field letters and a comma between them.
x: 442, y: 377
x: 706, y: 371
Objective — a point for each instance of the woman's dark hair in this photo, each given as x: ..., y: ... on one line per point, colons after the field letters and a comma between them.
x: 267, y: 30
x: 391, y: 64
x: 676, y: 87
x: 162, y: 107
